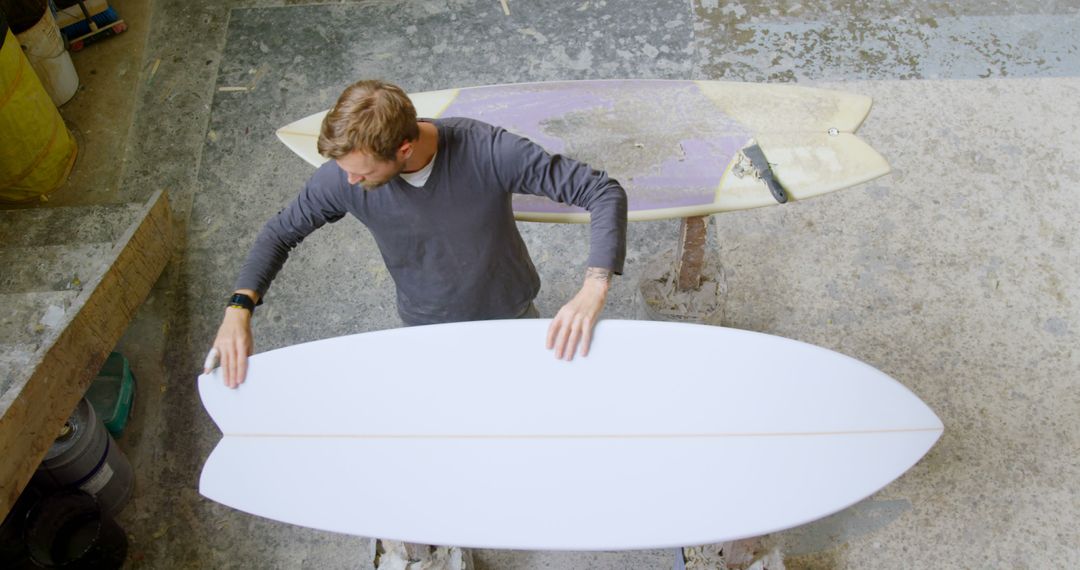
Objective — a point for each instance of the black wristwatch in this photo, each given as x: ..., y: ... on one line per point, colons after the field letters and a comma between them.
x: 242, y: 301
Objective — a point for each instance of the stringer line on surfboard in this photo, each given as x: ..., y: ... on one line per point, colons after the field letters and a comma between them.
x: 580, y: 436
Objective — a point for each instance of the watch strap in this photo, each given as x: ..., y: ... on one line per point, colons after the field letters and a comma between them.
x: 242, y: 301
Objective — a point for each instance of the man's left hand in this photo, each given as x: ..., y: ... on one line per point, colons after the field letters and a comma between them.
x: 573, y: 325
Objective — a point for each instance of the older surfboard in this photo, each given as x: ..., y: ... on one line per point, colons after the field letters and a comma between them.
x: 676, y: 146
x: 472, y: 434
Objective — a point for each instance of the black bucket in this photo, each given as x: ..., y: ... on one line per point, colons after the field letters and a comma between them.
x: 22, y: 14
x: 13, y: 554
x: 69, y: 530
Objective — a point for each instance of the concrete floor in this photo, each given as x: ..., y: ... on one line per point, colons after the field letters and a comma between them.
x: 957, y: 274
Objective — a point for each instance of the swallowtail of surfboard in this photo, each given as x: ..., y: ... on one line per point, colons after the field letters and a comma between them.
x: 677, y: 147
x: 472, y: 434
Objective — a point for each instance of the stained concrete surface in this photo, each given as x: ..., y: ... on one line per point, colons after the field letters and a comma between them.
x: 957, y: 274
x: 846, y: 39
x: 100, y: 113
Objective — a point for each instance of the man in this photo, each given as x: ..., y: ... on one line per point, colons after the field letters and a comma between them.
x: 436, y: 196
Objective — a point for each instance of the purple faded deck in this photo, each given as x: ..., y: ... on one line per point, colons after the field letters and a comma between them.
x: 665, y: 141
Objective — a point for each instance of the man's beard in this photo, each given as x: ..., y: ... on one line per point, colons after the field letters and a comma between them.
x: 373, y: 184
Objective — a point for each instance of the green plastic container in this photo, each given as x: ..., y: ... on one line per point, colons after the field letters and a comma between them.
x: 112, y: 393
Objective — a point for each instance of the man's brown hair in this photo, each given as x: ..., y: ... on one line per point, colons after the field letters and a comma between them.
x: 371, y: 116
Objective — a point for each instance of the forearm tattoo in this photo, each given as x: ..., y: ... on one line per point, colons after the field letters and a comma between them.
x: 598, y: 274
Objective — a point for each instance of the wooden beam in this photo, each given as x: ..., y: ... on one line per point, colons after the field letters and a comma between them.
x: 35, y: 407
x: 691, y: 252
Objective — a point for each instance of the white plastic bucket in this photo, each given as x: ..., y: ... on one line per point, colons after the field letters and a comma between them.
x: 44, y: 47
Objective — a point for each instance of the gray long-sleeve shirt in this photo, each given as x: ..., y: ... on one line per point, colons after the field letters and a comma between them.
x: 452, y: 246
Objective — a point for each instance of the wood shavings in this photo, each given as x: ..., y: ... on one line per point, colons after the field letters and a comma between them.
x: 663, y: 300
x: 748, y: 554
x: 153, y: 71
x: 256, y: 76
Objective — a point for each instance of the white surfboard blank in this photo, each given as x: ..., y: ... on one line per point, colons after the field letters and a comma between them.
x: 472, y: 434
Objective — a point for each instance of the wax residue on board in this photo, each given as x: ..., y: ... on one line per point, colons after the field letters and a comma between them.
x: 664, y: 159
x: 665, y: 142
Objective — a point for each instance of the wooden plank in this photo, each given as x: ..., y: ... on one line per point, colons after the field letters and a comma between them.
x: 691, y: 256
x: 34, y: 409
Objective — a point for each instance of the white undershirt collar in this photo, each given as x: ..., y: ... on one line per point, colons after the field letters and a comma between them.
x: 419, y: 177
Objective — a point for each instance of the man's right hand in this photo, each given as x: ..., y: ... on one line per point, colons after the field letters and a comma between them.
x: 234, y: 345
